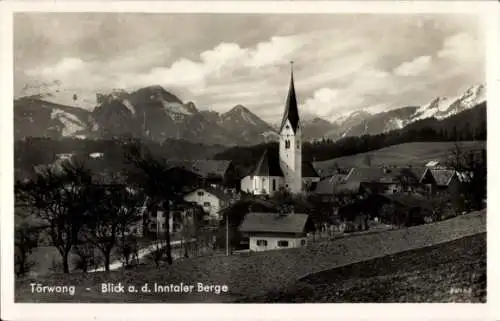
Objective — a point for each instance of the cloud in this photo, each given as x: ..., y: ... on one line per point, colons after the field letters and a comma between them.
x: 221, y: 61
x: 62, y: 68
x: 362, y: 90
x: 413, y: 67
x: 330, y: 102
x: 460, y: 47
x: 344, y: 64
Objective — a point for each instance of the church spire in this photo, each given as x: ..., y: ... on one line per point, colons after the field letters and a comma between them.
x: 291, y: 111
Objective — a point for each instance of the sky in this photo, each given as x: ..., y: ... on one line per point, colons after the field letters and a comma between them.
x: 342, y: 62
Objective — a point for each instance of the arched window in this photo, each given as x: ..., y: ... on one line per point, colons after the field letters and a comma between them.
x: 287, y: 144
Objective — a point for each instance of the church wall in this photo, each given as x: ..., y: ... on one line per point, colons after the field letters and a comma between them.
x: 263, y: 185
x: 247, y: 184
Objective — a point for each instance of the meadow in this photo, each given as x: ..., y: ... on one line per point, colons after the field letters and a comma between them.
x: 414, y: 154
x: 249, y: 277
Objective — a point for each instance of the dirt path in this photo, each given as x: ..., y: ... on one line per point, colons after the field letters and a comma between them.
x: 118, y: 264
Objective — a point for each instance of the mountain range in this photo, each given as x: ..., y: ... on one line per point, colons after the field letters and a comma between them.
x: 50, y: 110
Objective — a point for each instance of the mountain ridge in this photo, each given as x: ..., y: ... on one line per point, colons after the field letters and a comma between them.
x: 156, y: 113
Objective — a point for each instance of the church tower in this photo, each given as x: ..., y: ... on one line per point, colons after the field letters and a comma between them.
x: 291, y: 142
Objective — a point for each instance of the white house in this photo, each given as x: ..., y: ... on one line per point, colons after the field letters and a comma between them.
x: 271, y: 231
x: 182, y: 215
x: 96, y: 155
x: 285, y: 170
x: 212, y: 200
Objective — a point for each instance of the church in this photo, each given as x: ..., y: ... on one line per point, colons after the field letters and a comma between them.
x: 285, y: 171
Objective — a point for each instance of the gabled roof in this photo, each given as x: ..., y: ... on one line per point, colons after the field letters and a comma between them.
x: 308, y: 170
x: 217, y: 192
x: 268, y: 165
x: 336, y: 184
x: 418, y: 172
x: 442, y: 177
x: 204, y: 168
x: 384, y: 175
x: 272, y: 222
x: 291, y: 111
x: 372, y: 174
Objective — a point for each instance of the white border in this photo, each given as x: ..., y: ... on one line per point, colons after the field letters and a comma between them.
x: 11, y: 311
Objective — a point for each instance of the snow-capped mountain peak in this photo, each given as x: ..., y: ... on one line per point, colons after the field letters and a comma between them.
x: 443, y: 107
x: 56, y: 93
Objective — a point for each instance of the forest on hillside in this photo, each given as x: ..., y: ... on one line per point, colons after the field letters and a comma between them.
x: 469, y: 125
x: 466, y: 126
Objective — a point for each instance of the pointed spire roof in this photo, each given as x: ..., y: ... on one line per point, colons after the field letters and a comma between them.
x: 267, y: 166
x: 291, y: 110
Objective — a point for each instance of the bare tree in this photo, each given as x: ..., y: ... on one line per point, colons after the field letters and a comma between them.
x: 26, y: 239
x: 128, y: 247
x: 471, y: 169
x: 441, y: 206
x: 85, y: 255
x: 114, y: 213
x: 164, y: 184
x: 60, y: 198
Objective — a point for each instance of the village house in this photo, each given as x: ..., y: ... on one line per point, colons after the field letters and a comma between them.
x: 329, y: 187
x: 183, y: 215
x: 271, y: 231
x: 440, y: 179
x: 395, y: 209
x: 212, y: 199
x: 373, y: 180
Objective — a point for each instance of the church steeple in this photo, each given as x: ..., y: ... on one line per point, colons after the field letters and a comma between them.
x: 291, y: 111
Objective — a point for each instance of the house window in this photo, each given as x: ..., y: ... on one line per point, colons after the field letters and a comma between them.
x: 153, y: 226
x: 274, y: 185
x: 303, y: 242
x: 261, y: 243
x: 201, y: 193
x: 287, y: 144
x: 283, y: 243
x: 206, y: 204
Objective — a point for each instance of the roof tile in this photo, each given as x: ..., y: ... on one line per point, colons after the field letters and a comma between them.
x: 272, y: 222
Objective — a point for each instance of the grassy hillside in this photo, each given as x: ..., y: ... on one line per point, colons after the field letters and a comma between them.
x: 399, y: 155
x: 449, y: 272
x: 255, y: 274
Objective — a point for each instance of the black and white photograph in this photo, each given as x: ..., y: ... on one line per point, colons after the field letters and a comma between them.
x: 267, y: 157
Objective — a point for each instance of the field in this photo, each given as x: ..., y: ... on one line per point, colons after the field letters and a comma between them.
x: 450, y: 272
x: 416, y: 154
x: 253, y: 275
